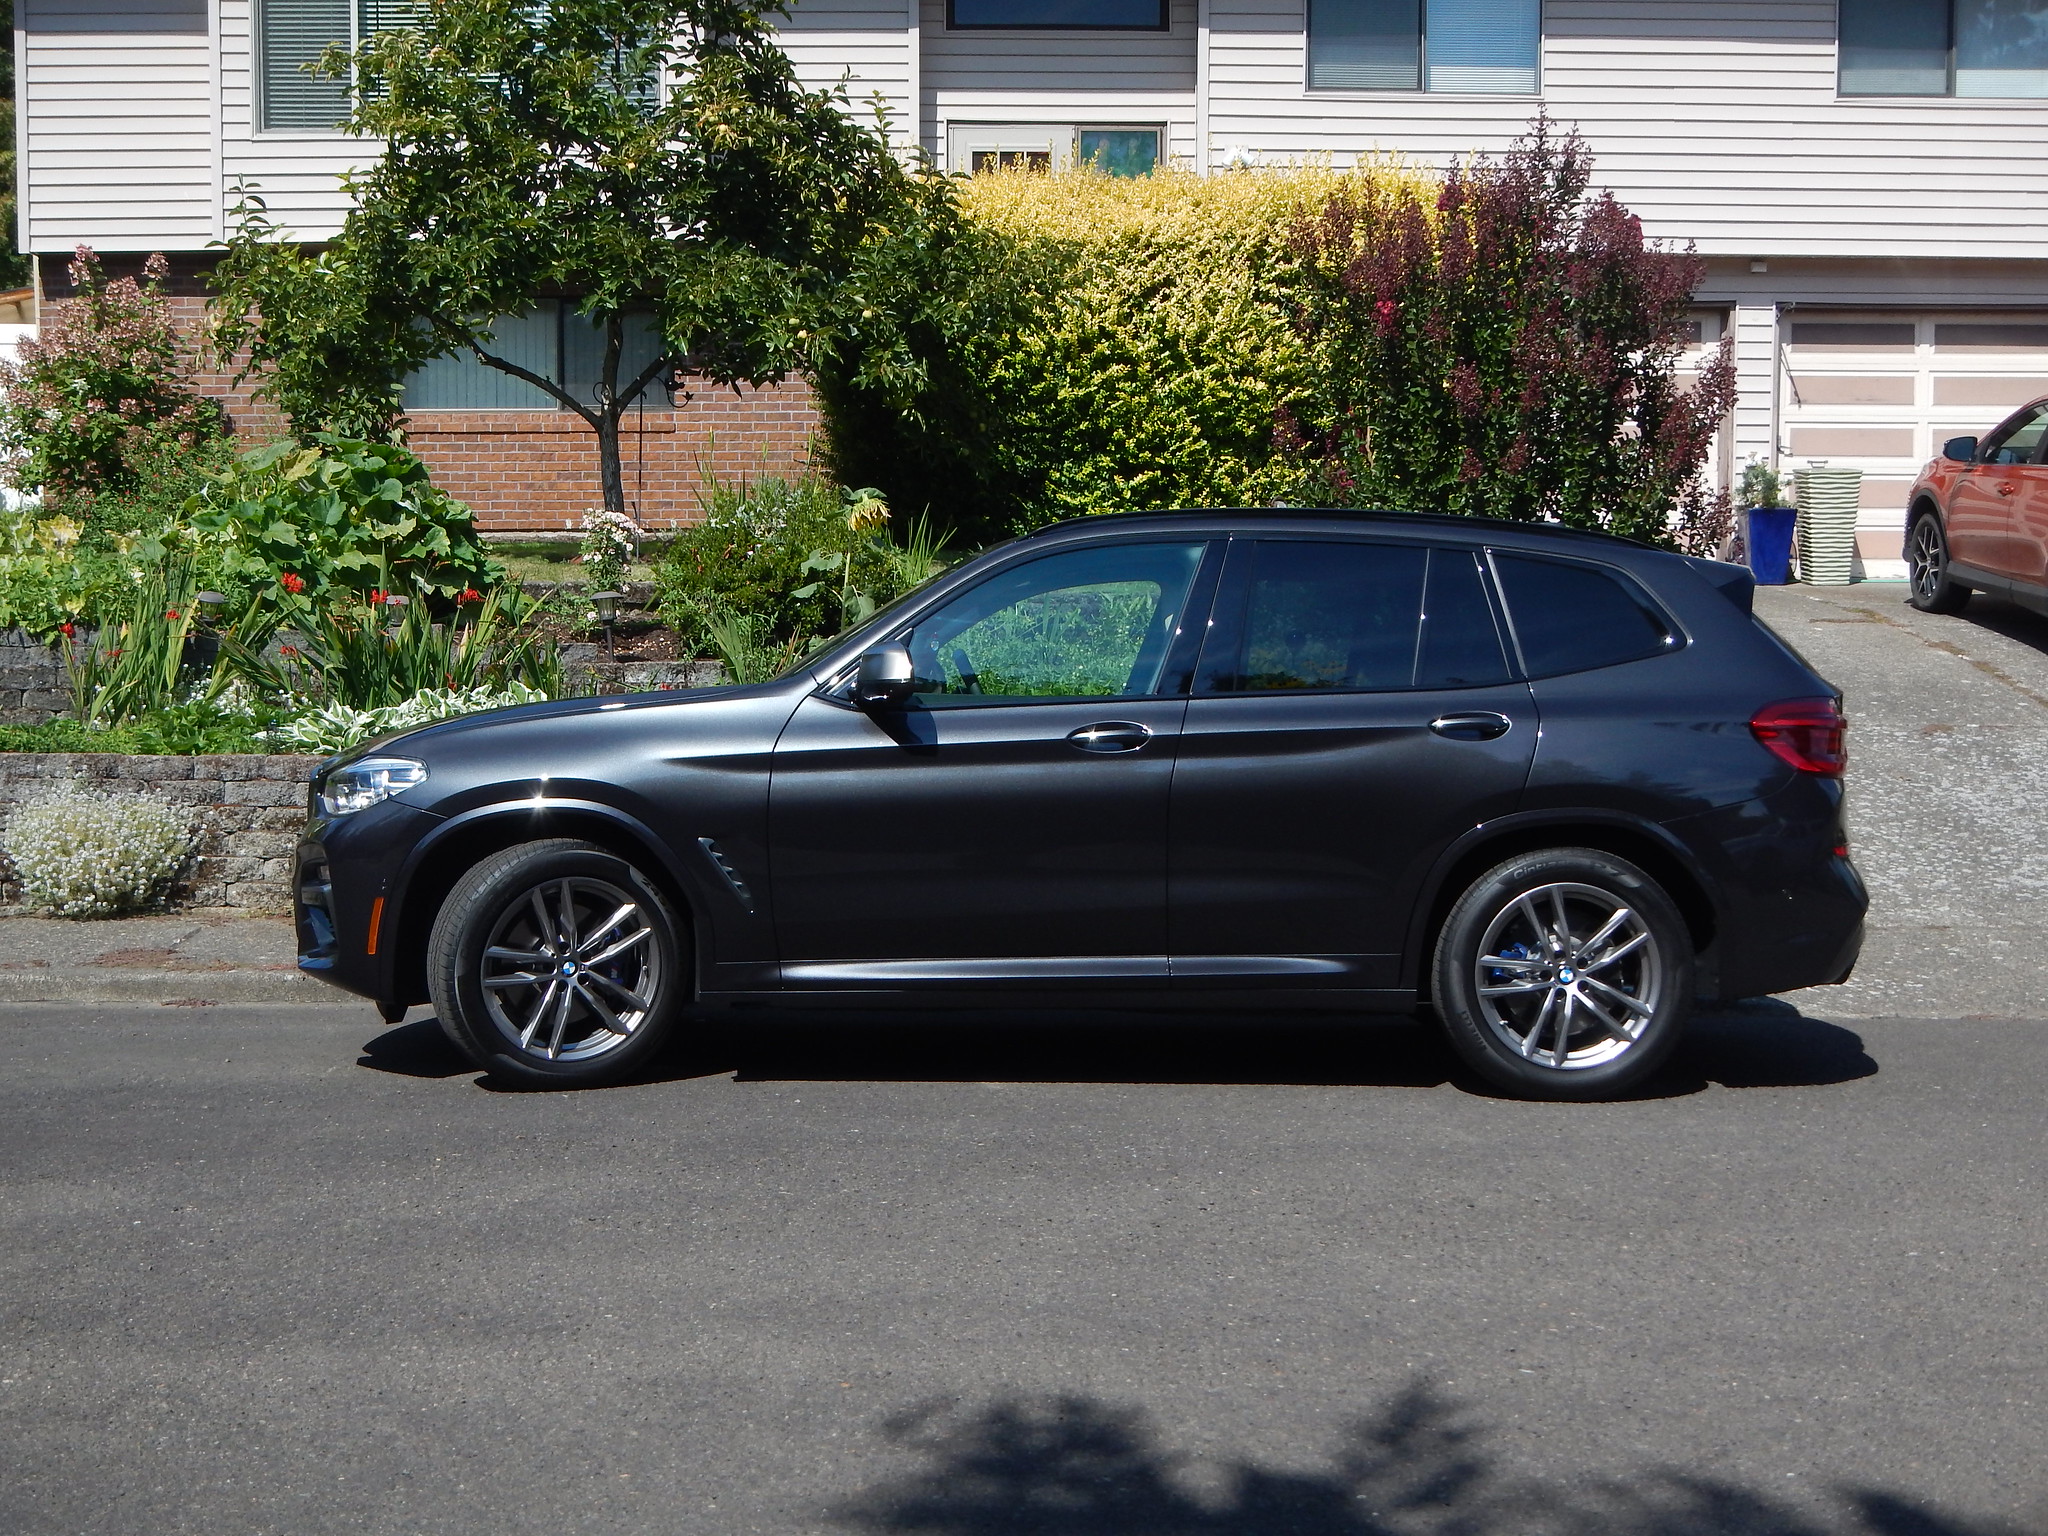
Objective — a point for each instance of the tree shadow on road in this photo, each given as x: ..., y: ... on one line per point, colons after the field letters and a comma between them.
x: 1763, y: 1044
x: 1074, y: 1466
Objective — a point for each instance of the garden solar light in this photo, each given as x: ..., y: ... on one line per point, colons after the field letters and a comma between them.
x: 607, y: 606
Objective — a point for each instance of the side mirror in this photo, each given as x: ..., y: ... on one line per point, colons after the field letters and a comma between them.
x: 1961, y: 449
x: 885, y: 677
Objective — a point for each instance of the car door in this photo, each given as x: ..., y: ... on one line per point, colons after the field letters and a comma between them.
x: 1009, y: 822
x: 1982, y: 515
x: 1354, y: 711
x: 2027, y: 469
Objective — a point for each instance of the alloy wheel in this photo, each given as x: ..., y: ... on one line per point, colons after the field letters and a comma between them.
x: 1568, y: 976
x: 1928, y: 560
x: 571, y: 970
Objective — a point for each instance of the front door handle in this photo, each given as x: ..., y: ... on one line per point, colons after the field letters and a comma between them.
x: 1110, y: 736
x: 2007, y: 487
x: 1472, y: 725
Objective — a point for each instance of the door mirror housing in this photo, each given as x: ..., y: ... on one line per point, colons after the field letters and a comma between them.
x: 1961, y: 449
x: 885, y: 678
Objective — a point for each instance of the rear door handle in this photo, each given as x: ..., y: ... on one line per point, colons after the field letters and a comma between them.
x: 1473, y: 725
x: 1110, y: 736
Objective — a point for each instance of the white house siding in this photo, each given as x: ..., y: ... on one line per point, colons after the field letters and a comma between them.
x: 297, y: 172
x: 871, y: 44
x: 117, y: 137
x: 1071, y: 78
x: 1716, y: 120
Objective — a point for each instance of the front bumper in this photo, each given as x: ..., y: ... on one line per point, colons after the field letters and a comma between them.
x: 346, y: 898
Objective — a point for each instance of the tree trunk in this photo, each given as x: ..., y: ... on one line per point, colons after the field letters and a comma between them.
x: 609, y: 468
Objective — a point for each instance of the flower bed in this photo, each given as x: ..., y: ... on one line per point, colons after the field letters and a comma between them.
x: 253, y: 809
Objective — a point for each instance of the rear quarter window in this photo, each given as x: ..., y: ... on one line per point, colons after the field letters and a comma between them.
x: 1573, y: 618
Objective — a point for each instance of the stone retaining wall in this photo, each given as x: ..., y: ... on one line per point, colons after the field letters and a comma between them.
x: 32, y: 684
x: 251, y: 809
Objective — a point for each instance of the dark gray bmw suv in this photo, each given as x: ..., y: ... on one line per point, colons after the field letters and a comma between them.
x: 1554, y: 785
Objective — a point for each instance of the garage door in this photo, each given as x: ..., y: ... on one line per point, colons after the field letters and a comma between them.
x: 1881, y: 391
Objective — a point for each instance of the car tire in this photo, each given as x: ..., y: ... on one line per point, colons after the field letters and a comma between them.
x: 557, y: 964
x: 1564, y: 974
x: 1929, y: 587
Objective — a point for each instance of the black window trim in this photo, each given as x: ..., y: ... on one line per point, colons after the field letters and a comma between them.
x: 1165, y: 24
x: 1643, y: 595
x: 1228, y: 629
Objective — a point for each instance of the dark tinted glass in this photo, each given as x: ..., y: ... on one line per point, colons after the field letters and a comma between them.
x: 1460, y: 642
x: 1077, y: 14
x: 1894, y: 47
x: 1085, y: 624
x: 1324, y: 616
x: 1572, y: 618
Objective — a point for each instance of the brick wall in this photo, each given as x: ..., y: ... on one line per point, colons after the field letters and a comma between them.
x: 250, y: 811
x: 532, y: 471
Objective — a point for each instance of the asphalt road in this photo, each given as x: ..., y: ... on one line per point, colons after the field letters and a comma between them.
x: 294, y: 1272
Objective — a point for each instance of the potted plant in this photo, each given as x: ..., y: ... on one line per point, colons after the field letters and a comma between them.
x: 1766, y: 524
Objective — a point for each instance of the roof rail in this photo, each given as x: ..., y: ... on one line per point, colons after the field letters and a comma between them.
x: 1436, y: 519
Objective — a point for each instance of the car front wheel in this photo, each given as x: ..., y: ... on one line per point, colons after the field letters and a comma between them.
x: 557, y: 964
x: 1929, y: 587
x: 1564, y: 974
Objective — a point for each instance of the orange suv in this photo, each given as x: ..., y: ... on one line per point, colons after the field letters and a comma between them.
x: 1979, y: 518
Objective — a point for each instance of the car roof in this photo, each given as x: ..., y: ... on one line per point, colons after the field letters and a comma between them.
x: 1478, y: 527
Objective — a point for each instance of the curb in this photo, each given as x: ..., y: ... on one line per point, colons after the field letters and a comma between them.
x: 105, y: 984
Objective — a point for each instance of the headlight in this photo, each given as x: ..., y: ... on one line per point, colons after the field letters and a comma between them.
x: 363, y: 783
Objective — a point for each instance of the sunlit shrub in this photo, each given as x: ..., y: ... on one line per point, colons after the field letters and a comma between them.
x: 82, y: 852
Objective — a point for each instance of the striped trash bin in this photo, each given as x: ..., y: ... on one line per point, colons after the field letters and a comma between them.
x: 1827, y: 501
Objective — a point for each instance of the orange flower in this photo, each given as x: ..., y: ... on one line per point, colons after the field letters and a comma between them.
x: 170, y: 613
x: 292, y: 583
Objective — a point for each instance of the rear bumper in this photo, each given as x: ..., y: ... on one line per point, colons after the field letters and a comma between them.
x: 1791, y: 908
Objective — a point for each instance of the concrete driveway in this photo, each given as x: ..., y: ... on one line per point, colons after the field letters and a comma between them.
x: 1948, y: 796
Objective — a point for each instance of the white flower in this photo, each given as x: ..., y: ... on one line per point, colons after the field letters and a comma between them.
x: 82, y: 852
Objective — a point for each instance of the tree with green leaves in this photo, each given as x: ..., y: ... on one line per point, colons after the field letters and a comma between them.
x: 630, y: 157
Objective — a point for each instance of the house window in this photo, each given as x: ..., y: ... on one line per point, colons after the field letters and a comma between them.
x: 1063, y: 15
x: 1944, y: 48
x: 1480, y: 46
x: 1119, y: 150
x: 290, y: 37
x: 553, y: 341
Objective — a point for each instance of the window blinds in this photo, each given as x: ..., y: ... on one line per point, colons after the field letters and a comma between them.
x: 293, y: 35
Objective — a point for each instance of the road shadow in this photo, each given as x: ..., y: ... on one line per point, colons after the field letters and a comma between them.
x: 1420, y: 1466
x: 420, y: 1048
x: 2021, y: 625
x: 1762, y: 1044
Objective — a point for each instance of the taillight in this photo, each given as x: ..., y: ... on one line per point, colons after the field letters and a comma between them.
x: 1807, y: 733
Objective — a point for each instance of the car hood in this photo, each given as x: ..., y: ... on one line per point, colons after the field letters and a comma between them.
x: 423, y: 739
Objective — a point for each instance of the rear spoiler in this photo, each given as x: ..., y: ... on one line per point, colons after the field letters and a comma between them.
x: 1737, y: 583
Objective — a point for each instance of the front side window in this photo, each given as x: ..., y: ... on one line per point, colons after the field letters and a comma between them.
x: 1299, y: 615
x: 2018, y: 442
x: 1064, y: 15
x: 1474, y: 46
x: 1944, y: 48
x: 1573, y: 618
x: 1085, y: 624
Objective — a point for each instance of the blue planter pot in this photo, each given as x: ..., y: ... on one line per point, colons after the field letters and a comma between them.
x: 1767, y: 535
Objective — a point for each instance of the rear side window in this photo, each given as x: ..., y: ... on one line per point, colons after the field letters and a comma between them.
x: 1573, y: 618
x: 1348, y: 615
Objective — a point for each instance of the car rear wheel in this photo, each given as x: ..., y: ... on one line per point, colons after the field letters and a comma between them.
x: 557, y: 964
x: 1929, y: 587
x: 1564, y: 974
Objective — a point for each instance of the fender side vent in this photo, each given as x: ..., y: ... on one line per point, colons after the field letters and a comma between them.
x: 739, y: 886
